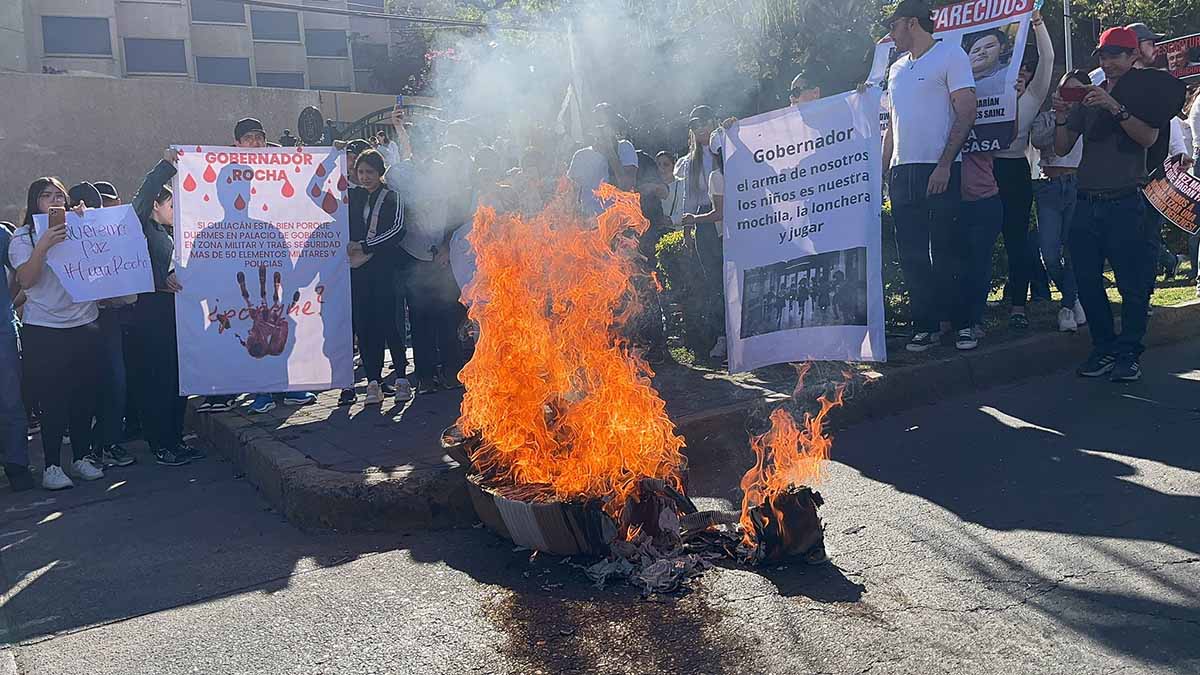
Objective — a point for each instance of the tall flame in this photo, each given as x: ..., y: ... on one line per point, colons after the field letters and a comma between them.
x: 563, y: 405
x: 787, y: 455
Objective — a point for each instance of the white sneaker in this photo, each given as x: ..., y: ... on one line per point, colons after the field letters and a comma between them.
x: 53, y: 478
x: 86, y: 470
x: 1080, y: 317
x: 1066, y: 321
x: 719, y: 350
x: 404, y: 390
x: 374, y: 393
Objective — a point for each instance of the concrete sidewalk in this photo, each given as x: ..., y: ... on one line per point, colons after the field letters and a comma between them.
x: 368, y: 469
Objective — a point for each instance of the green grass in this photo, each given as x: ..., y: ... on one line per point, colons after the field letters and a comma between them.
x: 1166, y: 293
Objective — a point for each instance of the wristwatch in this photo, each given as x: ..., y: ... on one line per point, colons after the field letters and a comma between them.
x: 1122, y: 114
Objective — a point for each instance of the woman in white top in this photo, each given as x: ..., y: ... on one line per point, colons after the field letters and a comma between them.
x: 1055, y: 191
x: 60, y: 340
x: 707, y: 227
x: 1013, y: 175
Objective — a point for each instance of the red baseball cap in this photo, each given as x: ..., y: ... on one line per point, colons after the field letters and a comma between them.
x: 1117, y: 38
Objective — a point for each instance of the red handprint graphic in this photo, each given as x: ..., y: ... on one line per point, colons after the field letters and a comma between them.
x: 268, y: 332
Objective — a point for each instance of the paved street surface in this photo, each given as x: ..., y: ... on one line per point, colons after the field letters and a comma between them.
x: 1052, y: 526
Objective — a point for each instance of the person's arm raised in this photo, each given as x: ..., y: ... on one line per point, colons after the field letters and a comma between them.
x: 963, y: 103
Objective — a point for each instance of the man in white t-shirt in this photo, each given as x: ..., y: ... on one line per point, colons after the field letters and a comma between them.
x: 932, y: 106
x: 607, y: 160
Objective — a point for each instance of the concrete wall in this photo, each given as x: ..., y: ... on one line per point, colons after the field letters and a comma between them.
x: 80, y: 128
x: 12, y: 37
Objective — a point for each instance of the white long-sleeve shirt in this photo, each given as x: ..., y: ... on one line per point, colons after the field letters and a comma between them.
x: 1181, y: 138
x: 1193, y: 122
x: 1036, y: 90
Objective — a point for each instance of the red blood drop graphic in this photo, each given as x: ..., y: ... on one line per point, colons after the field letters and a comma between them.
x: 189, y: 183
x: 210, y: 175
x: 198, y: 149
x: 346, y: 198
x: 229, y: 181
x: 342, y: 183
x: 320, y: 169
x: 330, y: 205
x: 316, y: 191
x: 287, y: 190
x: 205, y: 197
x: 239, y: 203
x: 253, y: 191
x: 264, y: 207
x: 297, y: 169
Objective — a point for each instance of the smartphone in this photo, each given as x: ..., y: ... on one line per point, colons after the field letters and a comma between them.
x: 1072, y: 94
x: 400, y: 101
x: 56, y: 215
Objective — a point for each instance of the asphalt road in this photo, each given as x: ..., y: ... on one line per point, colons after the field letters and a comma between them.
x: 1048, y: 527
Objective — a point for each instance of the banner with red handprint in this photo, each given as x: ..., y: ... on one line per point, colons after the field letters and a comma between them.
x: 260, y: 249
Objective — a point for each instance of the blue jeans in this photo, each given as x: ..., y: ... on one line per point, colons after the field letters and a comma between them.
x: 1056, y: 201
x: 13, y: 423
x: 111, y: 394
x: 981, y: 220
x: 930, y: 245
x: 1117, y: 231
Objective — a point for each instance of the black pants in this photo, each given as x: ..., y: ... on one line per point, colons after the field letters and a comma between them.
x: 931, y: 245
x: 1016, y: 191
x: 61, y: 364
x: 158, y: 370
x: 434, y: 313
x: 373, y: 297
x: 710, y: 254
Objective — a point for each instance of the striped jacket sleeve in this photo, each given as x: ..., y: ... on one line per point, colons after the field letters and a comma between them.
x: 391, y: 224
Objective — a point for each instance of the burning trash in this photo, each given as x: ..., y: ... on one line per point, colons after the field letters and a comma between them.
x: 569, y: 445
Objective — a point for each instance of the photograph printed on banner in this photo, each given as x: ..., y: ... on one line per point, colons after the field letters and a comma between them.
x: 991, y: 53
x: 814, y: 291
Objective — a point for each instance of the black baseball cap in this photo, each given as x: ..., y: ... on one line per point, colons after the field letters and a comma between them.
x: 106, y: 189
x: 912, y: 9
x: 84, y: 192
x: 357, y: 146
x: 247, y: 125
x: 1144, y: 33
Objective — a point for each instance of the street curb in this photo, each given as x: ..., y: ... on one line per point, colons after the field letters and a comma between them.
x: 905, y: 388
x: 315, y: 498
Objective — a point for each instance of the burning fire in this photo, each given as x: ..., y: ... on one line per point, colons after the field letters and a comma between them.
x: 562, y: 404
x: 787, y: 456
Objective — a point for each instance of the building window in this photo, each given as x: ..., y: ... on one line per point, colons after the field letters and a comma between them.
x: 223, y: 70
x: 283, y: 80
x: 275, y: 26
x: 219, y: 11
x: 373, y: 4
x: 75, y: 35
x: 326, y: 43
x: 144, y: 55
x: 369, y: 54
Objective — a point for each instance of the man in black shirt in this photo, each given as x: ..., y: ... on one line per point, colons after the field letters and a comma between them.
x: 1120, y: 120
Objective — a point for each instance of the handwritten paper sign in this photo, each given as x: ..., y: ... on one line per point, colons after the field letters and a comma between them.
x: 104, y: 255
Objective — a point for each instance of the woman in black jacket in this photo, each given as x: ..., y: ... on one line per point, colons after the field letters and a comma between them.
x: 376, y: 229
x: 162, y: 407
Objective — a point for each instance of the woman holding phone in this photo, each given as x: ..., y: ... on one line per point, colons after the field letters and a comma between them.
x: 60, y: 338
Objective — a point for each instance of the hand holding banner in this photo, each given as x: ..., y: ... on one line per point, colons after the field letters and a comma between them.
x: 104, y: 255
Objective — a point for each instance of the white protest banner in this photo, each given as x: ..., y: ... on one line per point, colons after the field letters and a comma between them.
x: 993, y: 33
x: 104, y: 255
x: 803, y: 276
x: 260, y: 249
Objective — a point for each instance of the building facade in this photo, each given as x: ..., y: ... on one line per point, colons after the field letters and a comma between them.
x: 206, y: 41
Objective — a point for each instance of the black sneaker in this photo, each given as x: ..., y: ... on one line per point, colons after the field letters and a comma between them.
x: 19, y: 478
x: 170, y: 457
x: 190, y: 452
x: 347, y: 397
x: 115, y: 455
x: 1097, y: 365
x: 388, y: 390
x: 1018, y: 322
x: 1126, y: 370
x: 426, y: 385
x: 217, y: 404
x: 923, y: 341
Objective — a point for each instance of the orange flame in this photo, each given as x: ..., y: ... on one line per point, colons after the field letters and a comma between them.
x: 562, y: 404
x: 786, y: 455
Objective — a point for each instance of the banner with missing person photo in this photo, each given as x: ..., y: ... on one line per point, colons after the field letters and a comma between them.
x: 993, y: 34
x: 801, y: 225
x: 1180, y: 57
x: 260, y: 249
